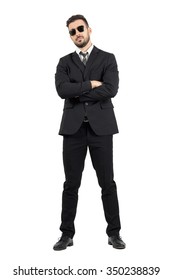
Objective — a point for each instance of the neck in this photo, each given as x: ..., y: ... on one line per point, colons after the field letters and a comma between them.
x: 84, y: 49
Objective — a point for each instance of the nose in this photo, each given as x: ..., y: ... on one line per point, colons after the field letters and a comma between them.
x: 77, y: 33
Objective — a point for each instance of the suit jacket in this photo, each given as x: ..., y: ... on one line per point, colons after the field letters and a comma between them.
x: 72, y: 80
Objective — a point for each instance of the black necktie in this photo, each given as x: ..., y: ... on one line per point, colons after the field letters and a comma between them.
x: 84, y: 59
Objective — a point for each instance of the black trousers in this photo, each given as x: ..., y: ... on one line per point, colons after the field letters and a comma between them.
x: 74, y: 153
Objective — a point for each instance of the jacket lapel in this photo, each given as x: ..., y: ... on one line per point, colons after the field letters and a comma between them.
x: 85, y: 69
x: 78, y: 62
x: 91, y: 59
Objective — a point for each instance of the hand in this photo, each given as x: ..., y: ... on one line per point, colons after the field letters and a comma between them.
x: 95, y: 84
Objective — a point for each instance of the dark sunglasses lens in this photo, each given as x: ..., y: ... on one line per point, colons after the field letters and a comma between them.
x: 72, y: 32
x: 80, y: 28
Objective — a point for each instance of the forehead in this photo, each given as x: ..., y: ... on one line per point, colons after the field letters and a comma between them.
x: 76, y: 23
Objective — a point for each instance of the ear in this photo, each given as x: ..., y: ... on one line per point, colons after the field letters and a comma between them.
x: 90, y: 30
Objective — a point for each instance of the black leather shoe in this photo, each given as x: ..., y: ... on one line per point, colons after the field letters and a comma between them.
x: 116, y: 242
x: 63, y: 243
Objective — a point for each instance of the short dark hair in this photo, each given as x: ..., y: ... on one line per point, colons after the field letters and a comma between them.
x: 75, y: 17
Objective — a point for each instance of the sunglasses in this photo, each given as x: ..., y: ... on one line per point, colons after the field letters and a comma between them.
x: 80, y: 28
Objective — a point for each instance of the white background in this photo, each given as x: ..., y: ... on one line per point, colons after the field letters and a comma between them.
x: 33, y: 38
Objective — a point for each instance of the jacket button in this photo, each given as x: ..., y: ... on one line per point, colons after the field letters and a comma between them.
x: 86, y: 103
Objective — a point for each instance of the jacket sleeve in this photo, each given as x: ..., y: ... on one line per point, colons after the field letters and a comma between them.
x: 110, y: 85
x: 65, y: 88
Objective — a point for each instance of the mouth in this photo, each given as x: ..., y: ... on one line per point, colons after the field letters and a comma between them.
x: 79, y: 38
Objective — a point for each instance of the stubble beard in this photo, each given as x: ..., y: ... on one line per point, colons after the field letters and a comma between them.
x: 83, y: 44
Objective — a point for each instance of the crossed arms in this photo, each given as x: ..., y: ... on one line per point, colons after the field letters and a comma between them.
x: 88, y: 90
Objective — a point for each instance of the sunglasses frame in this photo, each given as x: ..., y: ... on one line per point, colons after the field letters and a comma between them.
x: 80, y: 28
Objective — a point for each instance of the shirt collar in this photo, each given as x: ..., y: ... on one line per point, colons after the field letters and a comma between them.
x: 88, y: 50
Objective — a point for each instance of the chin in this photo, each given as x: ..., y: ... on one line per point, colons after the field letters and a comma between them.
x: 81, y: 45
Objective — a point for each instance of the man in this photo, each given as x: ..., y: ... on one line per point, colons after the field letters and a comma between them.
x: 87, y: 79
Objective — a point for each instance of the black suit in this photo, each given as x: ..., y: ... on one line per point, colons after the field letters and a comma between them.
x: 73, y: 84
x: 73, y: 79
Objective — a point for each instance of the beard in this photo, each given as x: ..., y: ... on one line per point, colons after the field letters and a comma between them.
x: 83, y: 43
